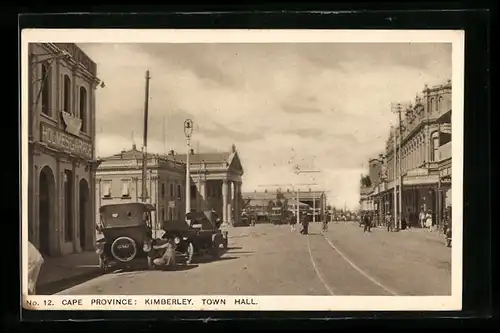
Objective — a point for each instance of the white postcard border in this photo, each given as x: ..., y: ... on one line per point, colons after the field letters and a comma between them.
x: 302, y: 303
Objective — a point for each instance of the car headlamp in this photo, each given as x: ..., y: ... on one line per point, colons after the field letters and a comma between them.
x: 177, y: 240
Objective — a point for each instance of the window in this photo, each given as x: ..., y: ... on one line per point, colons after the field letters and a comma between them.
x: 162, y: 190
x: 179, y: 192
x: 431, y: 105
x: 106, y: 189
x: 162, y: 216
x: 193, y: 191
x: 46, y: 85
x: 125, y: 189
x: 435, y: 147
x: 83, y: 108
x: 67, y: 94
x: 171, y: 190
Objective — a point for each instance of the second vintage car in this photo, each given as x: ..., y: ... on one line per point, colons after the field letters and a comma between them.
x: 198, y: 235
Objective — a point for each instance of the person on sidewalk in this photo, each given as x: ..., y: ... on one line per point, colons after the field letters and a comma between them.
x: 421, y: 218
x: 35, y: 262
x: 389, y: 222
x: 428, y: 220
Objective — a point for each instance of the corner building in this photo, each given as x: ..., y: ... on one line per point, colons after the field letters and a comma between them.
x: 425, y: 158
x: 61, y: 134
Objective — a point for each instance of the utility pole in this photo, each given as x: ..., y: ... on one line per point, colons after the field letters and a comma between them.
x: 145, y: 141
x: 398, y: 108
x: 395, y: 200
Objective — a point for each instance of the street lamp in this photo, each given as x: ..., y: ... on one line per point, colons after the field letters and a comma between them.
x: 188, y: 131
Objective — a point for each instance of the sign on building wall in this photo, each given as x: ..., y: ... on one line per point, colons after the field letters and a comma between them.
x: 420, y: 180
x: 65, y: 142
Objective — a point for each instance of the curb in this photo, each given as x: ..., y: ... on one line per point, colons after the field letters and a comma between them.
x: 52, y: 287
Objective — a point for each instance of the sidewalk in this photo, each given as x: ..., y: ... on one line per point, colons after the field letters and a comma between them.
x: 58, y: 273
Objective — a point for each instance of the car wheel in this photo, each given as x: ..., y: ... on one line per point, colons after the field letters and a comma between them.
x: 190, y: 253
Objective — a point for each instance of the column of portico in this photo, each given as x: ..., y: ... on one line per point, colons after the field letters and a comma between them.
x: 237, y: 203
x: 224, y: 200
x: 229, y: 201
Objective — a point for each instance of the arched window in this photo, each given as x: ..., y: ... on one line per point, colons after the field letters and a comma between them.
x: 46, y: 88
x: 435, y: 147
x: 83, y: 108
x: 431, y: 105
x: 439, y: 101
x: 67, y: 94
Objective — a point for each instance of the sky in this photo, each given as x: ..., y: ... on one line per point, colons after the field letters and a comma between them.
x: 324, y: 106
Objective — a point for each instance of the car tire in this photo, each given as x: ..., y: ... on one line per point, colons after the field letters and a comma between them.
x: 134, y: 247
x: 190, y: 253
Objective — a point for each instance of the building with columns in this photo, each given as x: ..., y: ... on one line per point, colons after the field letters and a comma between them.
x: 216, y: 180
x: 215, y: 183
x: 425, y: 158
x: 61, y: 144
x: 119, y: 180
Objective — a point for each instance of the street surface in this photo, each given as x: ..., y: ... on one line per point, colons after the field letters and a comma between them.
x: 272, y: 260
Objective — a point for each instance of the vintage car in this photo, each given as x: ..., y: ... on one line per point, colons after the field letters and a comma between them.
x: 199, y: 234
x: 127, y: 237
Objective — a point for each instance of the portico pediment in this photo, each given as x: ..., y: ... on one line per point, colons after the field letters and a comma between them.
x: 235, y: 166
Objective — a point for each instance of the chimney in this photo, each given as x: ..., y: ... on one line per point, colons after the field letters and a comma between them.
x: 171, y: 152
x: 134, y: 147
x: 265, y: 191
x: 191, y: 151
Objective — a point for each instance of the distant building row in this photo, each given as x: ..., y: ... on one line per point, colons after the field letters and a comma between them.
x: 425, y: 160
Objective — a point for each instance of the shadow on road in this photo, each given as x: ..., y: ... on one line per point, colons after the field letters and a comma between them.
x: 234, y: 248
x: 206, y: 260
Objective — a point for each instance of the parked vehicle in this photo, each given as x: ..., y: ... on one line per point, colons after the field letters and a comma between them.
x: 198, y: 235
x: 127, y: 238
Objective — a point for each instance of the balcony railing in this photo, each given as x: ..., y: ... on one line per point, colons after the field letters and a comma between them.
x: 445, y: 151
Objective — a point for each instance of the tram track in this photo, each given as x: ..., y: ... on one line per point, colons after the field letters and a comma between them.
x: 338, y: 273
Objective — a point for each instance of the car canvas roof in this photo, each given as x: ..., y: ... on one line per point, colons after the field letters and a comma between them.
x: 124, y: 215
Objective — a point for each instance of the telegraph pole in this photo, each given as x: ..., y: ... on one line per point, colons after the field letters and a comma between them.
x: 398, y: 108
x: 145, y: 140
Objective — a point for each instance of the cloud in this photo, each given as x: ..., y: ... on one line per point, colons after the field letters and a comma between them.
x: 324, y: 106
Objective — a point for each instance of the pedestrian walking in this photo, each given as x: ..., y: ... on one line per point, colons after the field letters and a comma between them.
x: 367, y: 222
x: 292, y: 222
x: 305, y: 225
x: 389, y: 222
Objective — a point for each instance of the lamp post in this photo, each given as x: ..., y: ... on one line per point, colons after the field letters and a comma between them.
x: 188, y: 131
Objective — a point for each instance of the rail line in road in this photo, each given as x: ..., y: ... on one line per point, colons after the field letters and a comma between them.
x: 318, y: 273
x: 348, y: 261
